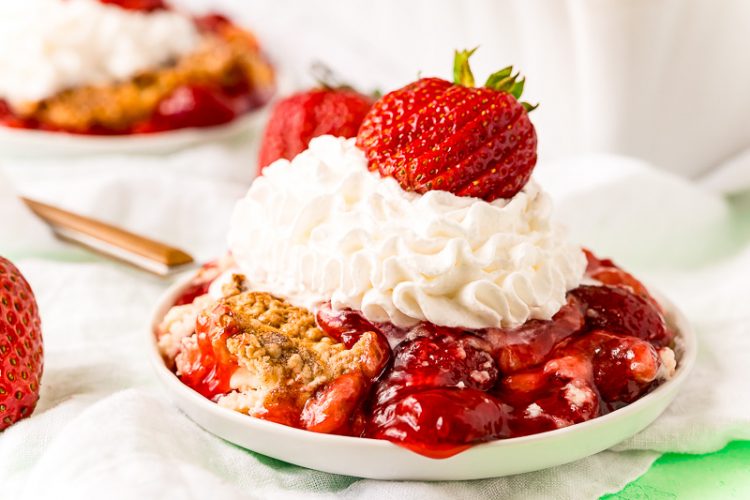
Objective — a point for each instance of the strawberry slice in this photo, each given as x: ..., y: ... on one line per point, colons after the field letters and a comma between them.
x: 206, y: 365
x: 558, y: 394
x: 618, y: 310
x: 529, y: 344
x: 212, y: 23
x: 609, y: 273
x: 435, y: 357
x: 439, y: 423
x: 623, y: 367
x: 190, y: 106
x: 346, y: 326
x: 331, y: 408
x: 281, y: 407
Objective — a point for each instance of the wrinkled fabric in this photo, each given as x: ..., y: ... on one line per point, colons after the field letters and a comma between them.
x: 104, y: 428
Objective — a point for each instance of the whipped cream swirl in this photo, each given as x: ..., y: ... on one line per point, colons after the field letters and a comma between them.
x: 53, y: 45
x: 322, y: 227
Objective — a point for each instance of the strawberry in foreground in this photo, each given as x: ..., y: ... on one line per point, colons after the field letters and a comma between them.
x: 452, y: 136
x: 21, y: 355
x: 299, y: 118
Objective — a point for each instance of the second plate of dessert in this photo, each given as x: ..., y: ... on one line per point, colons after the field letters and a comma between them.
x: 124, y: 76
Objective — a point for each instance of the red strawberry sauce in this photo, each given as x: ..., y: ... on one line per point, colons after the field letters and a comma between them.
x: 442, y: 390
x: 211, y: 366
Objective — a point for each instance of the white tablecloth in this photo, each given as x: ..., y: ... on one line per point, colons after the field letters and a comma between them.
x: 103, y: 429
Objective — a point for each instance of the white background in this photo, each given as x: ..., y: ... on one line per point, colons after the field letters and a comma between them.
x: 662, y: 80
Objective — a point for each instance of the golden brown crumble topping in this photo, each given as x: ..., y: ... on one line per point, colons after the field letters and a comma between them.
x: 282, y: 346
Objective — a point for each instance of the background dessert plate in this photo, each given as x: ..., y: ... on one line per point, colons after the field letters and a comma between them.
x: 378, y: 459
x: 36, y: 143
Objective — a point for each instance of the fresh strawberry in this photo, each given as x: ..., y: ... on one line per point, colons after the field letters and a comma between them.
x: 21, y: 353
x: 434, y: 134
x: 297, y: 119
x: 138, y: 5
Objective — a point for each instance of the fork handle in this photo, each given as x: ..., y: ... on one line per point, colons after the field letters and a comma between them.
x: 109, y: 235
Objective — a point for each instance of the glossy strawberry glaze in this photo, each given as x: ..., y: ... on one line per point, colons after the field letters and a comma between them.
x: 211, y: 365
x: 187, y: 106
x: 193, y: 291
x: 441, y: 390
x: 200, y: 284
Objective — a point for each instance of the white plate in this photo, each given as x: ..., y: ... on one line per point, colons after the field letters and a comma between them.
x: 39, y: 143
x: 377, y: 459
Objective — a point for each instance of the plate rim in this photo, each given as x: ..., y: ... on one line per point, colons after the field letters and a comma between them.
x: 31, y: 143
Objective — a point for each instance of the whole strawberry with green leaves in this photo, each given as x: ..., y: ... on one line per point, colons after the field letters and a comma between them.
x: 21, y: 353
x: 452, y: 136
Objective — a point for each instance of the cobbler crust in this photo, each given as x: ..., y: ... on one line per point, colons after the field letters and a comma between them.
x: 228, y: 58
x: 280, y: 352
x: 283, y: 347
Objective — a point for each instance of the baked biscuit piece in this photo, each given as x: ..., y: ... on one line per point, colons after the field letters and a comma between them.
x: 283, y: 357
x: 282, y: 346
x: 258, y: 354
